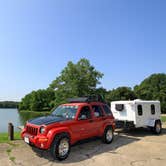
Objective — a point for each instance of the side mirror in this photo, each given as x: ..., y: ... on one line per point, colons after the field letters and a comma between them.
x: 83, y: 117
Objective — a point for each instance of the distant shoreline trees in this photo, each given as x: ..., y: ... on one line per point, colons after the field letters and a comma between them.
x: 81, y: 79
x: 9, y: 104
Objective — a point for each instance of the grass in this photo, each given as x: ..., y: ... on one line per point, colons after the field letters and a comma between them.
x: 163, y: 118
x: 4, y: 137
x: 8, y: 151
x: 12, y: 159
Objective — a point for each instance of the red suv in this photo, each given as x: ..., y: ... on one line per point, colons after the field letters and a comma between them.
x: 69, y: 123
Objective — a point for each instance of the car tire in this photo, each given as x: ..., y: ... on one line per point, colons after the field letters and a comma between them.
x: 60, y: 147
x: 158, y: 127
x: 108, y: 135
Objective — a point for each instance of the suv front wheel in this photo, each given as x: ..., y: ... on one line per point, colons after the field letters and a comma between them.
x: 108, y: 135
x: 60, y: 148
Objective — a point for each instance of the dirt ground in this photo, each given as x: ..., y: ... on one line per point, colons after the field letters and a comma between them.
x: 134, y: 148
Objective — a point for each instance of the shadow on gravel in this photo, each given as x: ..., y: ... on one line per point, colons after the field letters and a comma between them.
x: 86, y: 149
x: 141, y: 132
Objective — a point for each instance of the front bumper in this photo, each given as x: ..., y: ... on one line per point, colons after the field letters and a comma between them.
x: 39, y: 141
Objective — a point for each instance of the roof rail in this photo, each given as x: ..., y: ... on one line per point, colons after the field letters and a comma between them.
x: 92, y: 98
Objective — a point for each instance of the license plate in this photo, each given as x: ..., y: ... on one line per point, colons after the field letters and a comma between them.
x: 26, y: 139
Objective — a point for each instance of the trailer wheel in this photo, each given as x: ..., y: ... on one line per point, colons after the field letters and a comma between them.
x: 157, y: 128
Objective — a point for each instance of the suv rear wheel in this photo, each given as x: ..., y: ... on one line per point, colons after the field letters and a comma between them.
x: 60, y: 148
x: 108, y: 135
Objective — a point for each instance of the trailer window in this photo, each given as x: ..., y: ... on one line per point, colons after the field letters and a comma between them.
x: 119, y: 107
x: 152, y: 109
x: 139, y: 108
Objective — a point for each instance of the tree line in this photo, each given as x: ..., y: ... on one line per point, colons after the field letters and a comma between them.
x: 9, y: 104
x: 82, y: 79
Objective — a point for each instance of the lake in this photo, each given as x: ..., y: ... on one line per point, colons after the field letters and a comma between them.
x: 15, y: 117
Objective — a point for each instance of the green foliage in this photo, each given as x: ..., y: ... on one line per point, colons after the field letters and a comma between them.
x: 121, y: 93
x: 153, y: 88
x: 8, y: 104
x: 39, y: 100
x: 102, y: 92
x: 26, y: 102
x: 78, y: 79
x: 163, y: 118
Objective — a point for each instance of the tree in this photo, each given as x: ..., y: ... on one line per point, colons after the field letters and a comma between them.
x: 78, y: 79
x: 26, y: 102
x: 39, y: 100
x: 153, y: 88
x: 121, y: 93
x: 102, y: 92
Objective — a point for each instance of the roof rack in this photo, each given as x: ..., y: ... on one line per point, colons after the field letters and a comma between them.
x: 92, y: 98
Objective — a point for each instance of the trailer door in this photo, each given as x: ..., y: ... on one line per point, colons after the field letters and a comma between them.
x: 140, y: 115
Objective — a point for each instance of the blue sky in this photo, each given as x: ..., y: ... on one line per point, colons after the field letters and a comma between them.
x: 124, y: 39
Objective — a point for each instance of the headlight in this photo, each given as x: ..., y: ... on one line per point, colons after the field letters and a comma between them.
x: 42, y: 129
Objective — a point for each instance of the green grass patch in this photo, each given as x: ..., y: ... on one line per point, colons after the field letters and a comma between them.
x: 8, y: 151
x: 163, y: 118
x: 4, y: 137
x: 12, y: 159
x: 9, y: 154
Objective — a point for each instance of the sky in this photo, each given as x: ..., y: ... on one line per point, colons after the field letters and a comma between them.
x: 124, y: 39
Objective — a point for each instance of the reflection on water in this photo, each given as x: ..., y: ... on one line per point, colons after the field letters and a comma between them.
x: 16, y: 117
x: 24, y: 116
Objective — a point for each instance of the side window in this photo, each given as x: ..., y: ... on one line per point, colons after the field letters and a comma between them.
x: 85, y: 113
x: 107, y: 110
x: 97, y: 110
x: 119, y: 107
x: 139, y: 108
x: 152, y: 109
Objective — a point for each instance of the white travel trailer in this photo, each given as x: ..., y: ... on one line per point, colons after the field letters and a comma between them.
x: 137, y: 113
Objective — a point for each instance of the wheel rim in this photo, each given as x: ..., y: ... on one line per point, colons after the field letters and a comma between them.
x: 158, y: 128
x: 109, y: 135
x: 63, y: 147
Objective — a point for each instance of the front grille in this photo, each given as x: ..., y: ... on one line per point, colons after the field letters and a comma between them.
x: 31, y: 130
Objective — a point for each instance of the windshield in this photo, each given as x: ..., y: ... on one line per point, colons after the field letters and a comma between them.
x: 67, y: 112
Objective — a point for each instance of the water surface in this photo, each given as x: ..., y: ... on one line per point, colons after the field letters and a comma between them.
x: 15, y: 117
